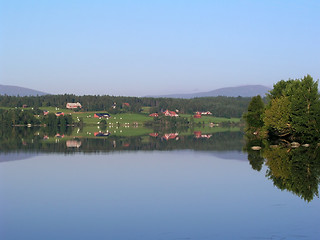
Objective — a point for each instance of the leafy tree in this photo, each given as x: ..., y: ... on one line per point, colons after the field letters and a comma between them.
x: 279, y: 89
x: 304, y: 108
x: 276, y: 117
x: 254, y: 115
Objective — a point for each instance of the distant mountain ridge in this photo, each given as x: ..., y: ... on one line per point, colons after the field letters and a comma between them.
x: 21, y: 91
x: 243, y: 91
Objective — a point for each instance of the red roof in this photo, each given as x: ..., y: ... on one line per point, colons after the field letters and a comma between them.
x: 170, y: 113
x: 154, y: 134
x: 168, y: 136
x: 59, y: 114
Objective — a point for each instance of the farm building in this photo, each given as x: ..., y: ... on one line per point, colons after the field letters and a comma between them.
x: 101, y: 115
x: 154, y: 134
x: 170, y: 113
x: 154, y: 115
x: 101, y: 134
x: 206, y: 113
x: 73, y: 105
x: 73, y: 144
x: 45, y: 112
x: 198, y: 134
x: 169, y: 136
x: 197, y: 115
x: 59, y: 114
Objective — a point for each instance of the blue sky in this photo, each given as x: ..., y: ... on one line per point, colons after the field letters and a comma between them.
x: 138, y: 48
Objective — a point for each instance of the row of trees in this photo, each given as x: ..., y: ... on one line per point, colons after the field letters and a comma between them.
x: 292, y: 111
x: 16, y: 117
x: 219, y: 106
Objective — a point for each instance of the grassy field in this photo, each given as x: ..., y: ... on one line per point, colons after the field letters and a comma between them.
x: 131, y: 119
x: 210, y: 119
x: 140, y: 118
x: 125, y: 131
x: 115, y: 119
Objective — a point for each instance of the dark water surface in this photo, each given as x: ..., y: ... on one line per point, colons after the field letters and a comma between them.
x: 177, y: 194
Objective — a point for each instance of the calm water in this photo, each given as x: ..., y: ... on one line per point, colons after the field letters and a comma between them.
x: 177, y: 194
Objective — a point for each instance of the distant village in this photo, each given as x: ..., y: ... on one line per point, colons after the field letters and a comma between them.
x: 167, y: 113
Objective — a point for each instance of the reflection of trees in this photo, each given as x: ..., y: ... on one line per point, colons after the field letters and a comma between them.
x: 33, y: 141
x: 295, y: 170
x: 255, y: 159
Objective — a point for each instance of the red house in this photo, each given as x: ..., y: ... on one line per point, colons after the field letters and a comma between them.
x: 101, y: 115
x: 197, y: 115
x: 59, y: 114
x: 169, y: 136
x: 73, y: 105
x: 197, y: 134
x: 170, y: 113
x: 206, y: 113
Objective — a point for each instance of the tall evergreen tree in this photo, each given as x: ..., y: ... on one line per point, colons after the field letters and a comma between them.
x: 255, y: 111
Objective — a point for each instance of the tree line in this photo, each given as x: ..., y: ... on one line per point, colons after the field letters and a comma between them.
x: 16, y: 117
x: 219, y: 106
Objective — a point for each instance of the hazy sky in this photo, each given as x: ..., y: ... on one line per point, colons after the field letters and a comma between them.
x: 137, y: 48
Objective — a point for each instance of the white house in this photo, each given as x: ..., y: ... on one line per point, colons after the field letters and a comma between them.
x: 73, y: 105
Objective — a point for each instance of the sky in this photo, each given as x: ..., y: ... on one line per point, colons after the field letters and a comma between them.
x: 143, y: 47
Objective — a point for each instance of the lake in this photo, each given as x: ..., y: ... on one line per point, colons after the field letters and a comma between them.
x: 152, y: 188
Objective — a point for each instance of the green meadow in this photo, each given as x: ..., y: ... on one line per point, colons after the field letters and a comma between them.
x: 132, y: 124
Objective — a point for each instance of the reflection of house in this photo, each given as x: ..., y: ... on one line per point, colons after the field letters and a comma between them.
x: 154, y: 115
x: 197, y: 115
x: 170, y: 113
x: 58, y: 114
x: 198, y: 134
x: 73, y: 105
x: 169, y: 136
x: 154, y: 134
x: 45, y: 112
x: 58, y: 135
x: 101, y: 134
x: 101, y: 115
x: 73, y: 144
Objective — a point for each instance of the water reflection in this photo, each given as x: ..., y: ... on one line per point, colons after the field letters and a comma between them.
x: 44, y: 140
x: 293, y: 169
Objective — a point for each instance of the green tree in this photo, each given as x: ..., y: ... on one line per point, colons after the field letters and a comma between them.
x: 304, y: 108
x: 279, y: 89
x: 276, y: 117
x: 254, y: 115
